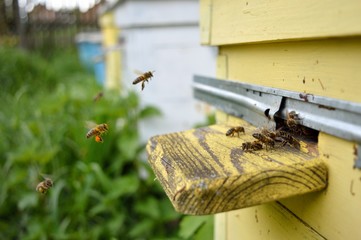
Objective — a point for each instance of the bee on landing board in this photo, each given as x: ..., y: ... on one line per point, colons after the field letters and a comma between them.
x: 232, y: 131
x: 288, y: 138
x: 96, y: 131
x: 251, y: 146
x: 143, y: 77
x: 44, y: 186
x: 269, y: 142
x: 268, y: 133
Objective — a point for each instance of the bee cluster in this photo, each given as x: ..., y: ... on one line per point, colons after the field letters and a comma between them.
x: 269, y: 139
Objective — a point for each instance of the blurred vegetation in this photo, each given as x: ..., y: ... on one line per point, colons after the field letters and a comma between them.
x: 101, y: 191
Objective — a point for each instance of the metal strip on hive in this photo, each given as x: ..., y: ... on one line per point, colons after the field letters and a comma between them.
x: 239, y: 99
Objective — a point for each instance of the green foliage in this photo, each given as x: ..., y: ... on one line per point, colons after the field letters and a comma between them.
x: 210, y: 120
x: 101, y: 190
x: 196, y: 227
x: 18, y: 69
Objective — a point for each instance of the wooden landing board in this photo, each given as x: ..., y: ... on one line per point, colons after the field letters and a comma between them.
x: 205, y: 172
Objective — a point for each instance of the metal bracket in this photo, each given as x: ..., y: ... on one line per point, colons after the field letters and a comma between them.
x: 258, y: 105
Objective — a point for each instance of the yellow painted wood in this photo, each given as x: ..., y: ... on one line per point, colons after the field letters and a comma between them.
x: 244, y: 21
x: 205, y: 21
x: 204, y: 172
x: 110, y: 34
x: 267, y: 221
x: 220, y: 226
x: 330, y: 68
x: 335, y: 212
x: 222, y: 66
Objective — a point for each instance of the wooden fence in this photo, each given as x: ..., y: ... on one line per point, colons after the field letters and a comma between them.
x: 45, y: 29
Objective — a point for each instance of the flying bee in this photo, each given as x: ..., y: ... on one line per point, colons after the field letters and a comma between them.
x: 98, y: 96
x: 251, y: 146
x: 143, y: 77
x: 269, y: 142
x: 96, y: 131
x: 44, y: 186
x: 232, y: 131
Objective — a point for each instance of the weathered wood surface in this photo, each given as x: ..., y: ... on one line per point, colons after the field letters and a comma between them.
x: 204, y: 172
x: 244, y: 21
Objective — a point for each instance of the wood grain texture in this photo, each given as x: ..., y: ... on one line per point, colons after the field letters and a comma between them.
x: 204, y: 172
x: 330, y: 68
x: 243, y: 21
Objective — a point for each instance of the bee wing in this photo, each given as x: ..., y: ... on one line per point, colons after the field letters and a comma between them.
x: 47, y: 176
x: 136, y: 71
x: 90, y: 124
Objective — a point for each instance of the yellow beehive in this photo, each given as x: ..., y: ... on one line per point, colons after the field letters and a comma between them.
x: 304, y: 46
x: 312, y: 48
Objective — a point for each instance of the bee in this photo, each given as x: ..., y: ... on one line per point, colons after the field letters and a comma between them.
x: 44, y: 186
x: 288, y: 138
x: 251, y: 146
x: 269, y: 142
x: 293, y: 121
x: 143, y: 77
x: 268, y: 133
x: 98, y: 96
x: 232, y: 131
x: 97, y: 131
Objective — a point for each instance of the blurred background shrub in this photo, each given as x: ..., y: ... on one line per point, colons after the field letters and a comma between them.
x: 100, y: 191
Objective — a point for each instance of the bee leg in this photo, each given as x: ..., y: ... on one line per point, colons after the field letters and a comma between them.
x: 283, y: 142
x: 143, y: 85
